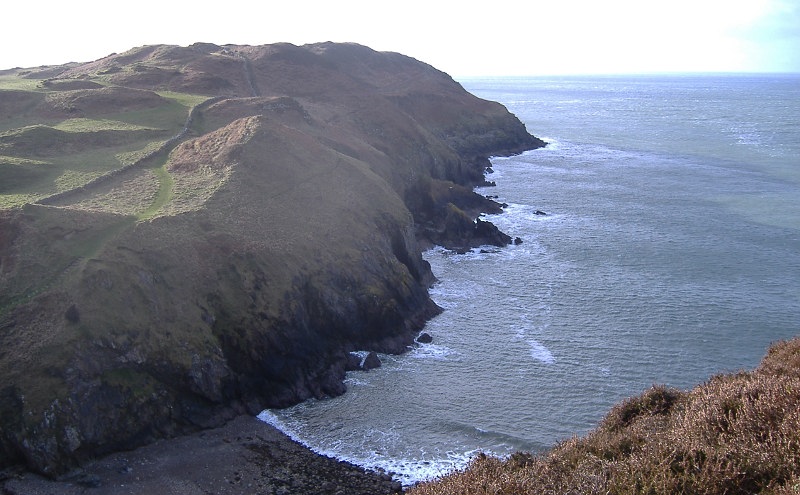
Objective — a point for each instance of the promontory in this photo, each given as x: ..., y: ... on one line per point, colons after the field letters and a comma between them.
x: 189, y: 234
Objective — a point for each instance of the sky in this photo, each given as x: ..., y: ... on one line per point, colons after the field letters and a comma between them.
x: 462, y: 38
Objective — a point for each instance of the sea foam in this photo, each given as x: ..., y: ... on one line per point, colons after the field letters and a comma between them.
x: 541, y: 353
x: 409, y: 470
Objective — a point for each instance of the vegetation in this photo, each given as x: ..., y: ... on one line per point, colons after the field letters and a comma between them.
x: 186, y: 99
x: 734, y: 434
x: 166, y: 264
x: 58, y: 135
x: 15, y: 82
x: 94, y: 125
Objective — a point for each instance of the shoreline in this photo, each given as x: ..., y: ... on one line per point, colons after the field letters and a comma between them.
x: 245, y: 455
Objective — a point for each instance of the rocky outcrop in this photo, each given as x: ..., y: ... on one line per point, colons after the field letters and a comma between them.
x: 290, y: 237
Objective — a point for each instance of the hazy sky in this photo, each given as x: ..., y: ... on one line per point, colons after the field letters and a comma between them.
x: 462, y: 38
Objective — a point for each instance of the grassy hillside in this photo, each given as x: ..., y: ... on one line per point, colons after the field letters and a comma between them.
x: 54, y: 138
x: 191, y: 233
x: 735, y: 434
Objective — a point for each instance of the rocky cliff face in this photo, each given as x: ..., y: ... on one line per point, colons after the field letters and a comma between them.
x: 237, y: 266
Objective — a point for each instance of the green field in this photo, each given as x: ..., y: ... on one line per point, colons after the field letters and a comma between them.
x: 42, y: 154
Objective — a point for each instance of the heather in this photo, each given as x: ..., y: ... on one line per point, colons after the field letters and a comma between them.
x: 734, y: 434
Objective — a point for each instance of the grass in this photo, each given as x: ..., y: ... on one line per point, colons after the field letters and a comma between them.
x: 130, y: 194
x: 16, y: 83
x: 23, y: 183
x: 23, y: 179
x: 26, y: 179
x: 15, y: 160
x: 129, y: 157
x: 163, y: 196
x: 170, y: 117
x: 62, y: 238
x: 71, y: 179
x: 94, y: 125
x: 735, y: 434
x: 186, y: 99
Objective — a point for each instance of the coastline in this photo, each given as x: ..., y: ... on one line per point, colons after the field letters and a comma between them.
x: 245, y: 455
x: 149, y: 352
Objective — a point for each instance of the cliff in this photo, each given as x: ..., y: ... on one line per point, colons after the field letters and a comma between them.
x: 192, y: 233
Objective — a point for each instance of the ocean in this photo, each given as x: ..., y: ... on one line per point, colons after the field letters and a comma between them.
x: 669, y: 252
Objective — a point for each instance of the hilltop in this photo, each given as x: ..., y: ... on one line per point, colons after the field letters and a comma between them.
x: 188, y: 234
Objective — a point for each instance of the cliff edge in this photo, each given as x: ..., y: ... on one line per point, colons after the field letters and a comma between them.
x: 193, y: 233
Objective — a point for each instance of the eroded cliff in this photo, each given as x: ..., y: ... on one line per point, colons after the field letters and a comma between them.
x: 229, y: 261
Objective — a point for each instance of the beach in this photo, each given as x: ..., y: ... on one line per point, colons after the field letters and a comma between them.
x: 244, y: 456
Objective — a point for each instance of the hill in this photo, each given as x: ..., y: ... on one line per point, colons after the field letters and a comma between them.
x: 192, y: 233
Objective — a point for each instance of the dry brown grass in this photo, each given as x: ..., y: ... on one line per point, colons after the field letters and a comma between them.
x: 127, y: 197
x: 735, y: 434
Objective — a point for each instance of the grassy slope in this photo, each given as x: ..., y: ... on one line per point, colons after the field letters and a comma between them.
x: 735, y: 434
x: 233, y: 271
x: 43, y: 152
x: 63, y: 251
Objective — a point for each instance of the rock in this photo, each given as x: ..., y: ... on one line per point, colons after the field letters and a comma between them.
x: 372, y: 361
x: 488, y: 233
x: 353, y: 362
x: 424, y: 338
x: 207, y: 377
x: 72, y: 315
x: 540, y: 213
x: 517, y: 241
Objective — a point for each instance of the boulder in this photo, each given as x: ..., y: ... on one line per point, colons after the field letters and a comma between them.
x: 372, y: 361
x: 353, y: 362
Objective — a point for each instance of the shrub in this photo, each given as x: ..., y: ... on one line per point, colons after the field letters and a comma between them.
x: 735, y: 434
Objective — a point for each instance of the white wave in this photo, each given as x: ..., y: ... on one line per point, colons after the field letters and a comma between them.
x: 406, y: 469
x: 521, y: 214
x: 433, y: 351
x: 273, y: 420
x: 412, y: 471
x: 541, y: 353
x: 354, y: 379
x: 553, y: 144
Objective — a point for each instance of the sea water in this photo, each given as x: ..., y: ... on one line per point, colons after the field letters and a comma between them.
x: 669, y: 252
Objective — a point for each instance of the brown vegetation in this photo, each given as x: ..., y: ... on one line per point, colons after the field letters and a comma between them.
x: 735, y: 434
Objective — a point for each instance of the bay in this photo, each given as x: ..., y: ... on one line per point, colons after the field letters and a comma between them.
x: 670, y: 251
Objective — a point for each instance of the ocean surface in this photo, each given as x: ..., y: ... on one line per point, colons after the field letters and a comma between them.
x: 670, y: 252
